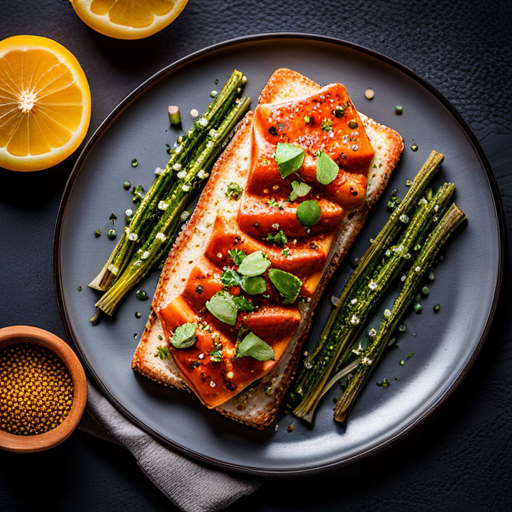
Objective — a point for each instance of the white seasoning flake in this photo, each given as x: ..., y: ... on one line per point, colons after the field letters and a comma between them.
x: 194, y: 113
x: 219, y: 255
x: 387, y: 313
x: 372, y: 333
x: 372, y: 285
x: 212, y: 384
x: 162, y: 205
x: 144, y: 255
x: 417, y: 269
x: 335, y: 300
x: 404, y: 218
x: 354, y: 320
x: 353, y: 301
x: 185, y: 188
x: 369, y: 94
x: 182, y: 174
x: 128, y: 212
x: 161, y: 236
x: 177, y: 167
x: 159, y: 170
x: 185, y: 215
x: 203, y: 121
x: 367, y: 361
x: 200, y: 356
x: 133, y: 237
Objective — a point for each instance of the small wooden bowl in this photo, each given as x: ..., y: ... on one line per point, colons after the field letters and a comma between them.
x: 47, y: 440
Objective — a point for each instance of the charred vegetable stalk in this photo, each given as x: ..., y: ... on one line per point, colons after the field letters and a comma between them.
x: 149, y: 211
x: 383, y: 262
x: 184, y: 184
x: 392, y: 319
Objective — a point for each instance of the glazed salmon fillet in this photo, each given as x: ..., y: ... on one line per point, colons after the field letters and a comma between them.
x: 263, y: 219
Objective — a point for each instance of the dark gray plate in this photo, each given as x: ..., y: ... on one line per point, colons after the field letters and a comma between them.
x: 444, y: 345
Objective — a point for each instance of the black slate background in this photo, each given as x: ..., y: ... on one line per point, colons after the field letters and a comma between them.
x: 459, y: 460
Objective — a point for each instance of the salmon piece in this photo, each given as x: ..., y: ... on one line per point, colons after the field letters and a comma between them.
x: 303, y: 258
x: 258, y: 218
x: 203, y: 283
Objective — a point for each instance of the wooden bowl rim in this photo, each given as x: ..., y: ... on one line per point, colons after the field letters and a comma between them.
x: 35, y: 443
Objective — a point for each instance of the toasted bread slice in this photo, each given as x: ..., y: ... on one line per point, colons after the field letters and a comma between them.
x: 258, y: 405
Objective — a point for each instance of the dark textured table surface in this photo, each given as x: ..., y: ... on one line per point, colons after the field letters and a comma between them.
x: 461, y: 458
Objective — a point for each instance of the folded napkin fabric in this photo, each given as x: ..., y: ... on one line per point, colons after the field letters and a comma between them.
x: 191, y: 486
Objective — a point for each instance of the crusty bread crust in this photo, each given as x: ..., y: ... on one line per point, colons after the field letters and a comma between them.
x: 255, y: 406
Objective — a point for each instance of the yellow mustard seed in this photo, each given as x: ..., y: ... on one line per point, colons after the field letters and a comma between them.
x: 36, y: 389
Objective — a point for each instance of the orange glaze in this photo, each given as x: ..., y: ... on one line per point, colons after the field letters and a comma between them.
x: 210, y: 365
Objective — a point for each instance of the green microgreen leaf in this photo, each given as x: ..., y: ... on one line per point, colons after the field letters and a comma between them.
x: 243, y: 304
x: 299, y: 189
x: 223, y: 307
x: 308, y: 213
x: 272, y: 202
x: 230, y: 278
x: 184, y: 336
x: 237, y: 256
x: 289, y: 158
x: 255, y: 347
x: 326, y: 169
x: 326, y: 125
x: 254, y: 285
x: 234, y: 191
x: 279, y: 238
x: 162, y: 352
x: 254, y: 264
x: 287, y: 284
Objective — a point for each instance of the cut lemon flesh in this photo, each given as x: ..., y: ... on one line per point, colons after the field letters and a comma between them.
x: 128, y: 19
x: 45, y: 103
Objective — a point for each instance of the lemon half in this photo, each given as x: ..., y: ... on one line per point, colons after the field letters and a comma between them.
x: 128, y: 19
x: 45, y: 103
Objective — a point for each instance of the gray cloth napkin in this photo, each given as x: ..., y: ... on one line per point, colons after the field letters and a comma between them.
x: 189, y: 485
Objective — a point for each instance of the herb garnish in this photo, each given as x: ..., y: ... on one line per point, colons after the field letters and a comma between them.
x: 326, y: 125
x: 274, y: 203
x: 234, y: 191
x: 254, y: 285
x: 326, y: 169
x: 289, y: 158
x: 308, y: 213
x: 254, y: 347
x: 254, y: 264
x: 299, y: 189
x: 243, y: 304
x: 184, y: 336
x: 237, y: 256
x: 223, y: 307
x: 279, y: 238
x: 230, y: 278
x: 251, y: 285
x: 162, y: 352
x: 287, y: 284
